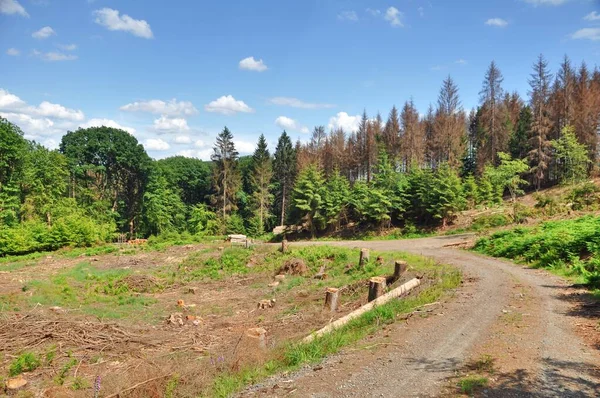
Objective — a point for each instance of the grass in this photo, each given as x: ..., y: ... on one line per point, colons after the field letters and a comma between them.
x: 101, y: 293
x: 468, y: 385
x: 291, y: 356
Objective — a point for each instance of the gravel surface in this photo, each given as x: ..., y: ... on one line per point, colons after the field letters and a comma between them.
x: 541, y: 356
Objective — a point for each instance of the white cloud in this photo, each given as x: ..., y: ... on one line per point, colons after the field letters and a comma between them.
x: 156, y: 144
x: 344, y: 121
x: 111, y: 20
x: 546, y: 2
x: 166, y: 124
x: 227, y: 105
x: 183, y: 139
x: 67, y: 47
x: 199, y: 144
x: 592, y: 16
x: 12, y: 7
x: 498, y: 22
x: 13, y: 52
x: 296, y: 103
x: 251, y: 64
x: 290, y: 124
x: 54, y: 56
x: 461, y: 61
x: 171, y: 108
x: 244, y: 147
x: 373, y: 12
x: 31, y: 126
x: 191, y: 153
x: 11, y: 103
x: 393, y: 16
x: 43, y: 33
x: 348, y: 16
x: 587, y: 33
x: 106, y: 123
x: 421, y: 11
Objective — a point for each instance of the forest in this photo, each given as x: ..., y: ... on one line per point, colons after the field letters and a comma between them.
x: 407, y: 171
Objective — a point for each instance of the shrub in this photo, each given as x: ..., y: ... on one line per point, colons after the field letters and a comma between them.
x: 26, y: 362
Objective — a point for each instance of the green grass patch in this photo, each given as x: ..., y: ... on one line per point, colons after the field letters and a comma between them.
x: 470, y: 384
x: 26, y: 362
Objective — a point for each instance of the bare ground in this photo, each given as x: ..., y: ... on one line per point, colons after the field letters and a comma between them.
x: 532, y: 324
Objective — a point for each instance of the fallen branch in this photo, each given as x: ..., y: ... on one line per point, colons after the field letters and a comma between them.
x: 397, y: 292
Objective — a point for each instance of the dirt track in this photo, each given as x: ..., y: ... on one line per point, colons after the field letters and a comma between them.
x: 523, y: 318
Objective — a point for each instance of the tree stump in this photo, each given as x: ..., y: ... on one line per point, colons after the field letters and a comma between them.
x: 284, y: 246
x: 376, y: 287
x: 256, y: 338
x: 331, y: 298
x: 364, y: 257
x: 400, y: 267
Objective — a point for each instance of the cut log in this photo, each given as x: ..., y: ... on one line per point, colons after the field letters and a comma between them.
x: 400, y: 267
x: 376, y: 287
x: 331, y: 298
x: 364, y: 257
x: 321, y: 274
x: 397, y: 292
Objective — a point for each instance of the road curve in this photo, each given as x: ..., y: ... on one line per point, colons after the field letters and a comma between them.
x: 541, y: 356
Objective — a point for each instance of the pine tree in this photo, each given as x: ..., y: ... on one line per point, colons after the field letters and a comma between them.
x: 336, y: 198
x: 413, y: 136
x: 226, y: 175
x: 308, y: 197
x: 446, y: 194
x: 586, y: 109
x: 284, y: 167
x: 541, y: 125
x: 492, y: 116
x: 391, y: 134
x: 260, y: 181
x: 571, y: 157
x: 449, y: 125
x: 519, y: 145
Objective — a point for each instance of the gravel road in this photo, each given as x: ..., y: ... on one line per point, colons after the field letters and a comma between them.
x: 515, y: 314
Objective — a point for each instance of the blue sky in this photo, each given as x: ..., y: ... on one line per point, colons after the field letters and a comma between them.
x: 174, y: 73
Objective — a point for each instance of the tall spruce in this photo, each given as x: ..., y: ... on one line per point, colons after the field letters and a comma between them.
x: 541, y: 125
x: 492, y: 115
x: 284, y: 167
x: 413, y: 137
x: 391, y: 134
x: 260, y: 181
x: 226, y: 175
x: 449, y: 125
x: 519, y: 144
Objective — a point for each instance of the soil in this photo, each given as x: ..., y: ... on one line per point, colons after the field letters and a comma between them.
x: 537, y: 329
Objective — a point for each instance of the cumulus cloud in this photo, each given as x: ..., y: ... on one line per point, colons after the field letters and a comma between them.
x: 244, y: 147
x: 111, y: 20
x: 587, y: 34
x: 394, y: 16
x: 296, y: 103
x: 498, y: 22
x: 106, y: 123
x: 156, y: 144
x: 183, y: 140
x: 12, y: 7
x: 592, y: 16
x: 170, y: 108
x: 193, y: 153
x: 227, y: 105
x: 251, y: 64
x: 54, y: 56
x: 290, y: 124
x: 11, y: 103
x: 348, y: 16
x: 199, y: 144
x: 165, y: 124
x: 13, y: 52
x: 344, y: 121
x: 43, y: 33
x: 33, y: 127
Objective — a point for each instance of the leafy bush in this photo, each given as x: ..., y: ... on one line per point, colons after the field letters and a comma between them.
x: 571, y: 245
x: 584, y: 196
x: 490, y: 221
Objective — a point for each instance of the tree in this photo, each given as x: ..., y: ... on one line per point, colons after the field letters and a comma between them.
x: 541, y: 124
x: 391, y: 134
x: 585, y: 112
x: 492, y: 115
x: 413, y: 137
x: 446, y: 196
x: 571, y: 156
x: 335, y: 199
x: 191, y: 178
x: 284, y: 167
x: 226, y: 175
x: 260, y: 181
x: 163, y: 208
x: 107, y: 165
x: 308, y: 196
x: 519, y: 145
x: 449, y: 125
x: 12, y: 152
x: 507, y: 176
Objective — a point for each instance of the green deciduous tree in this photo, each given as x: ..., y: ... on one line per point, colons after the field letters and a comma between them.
x: 163, y: 208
